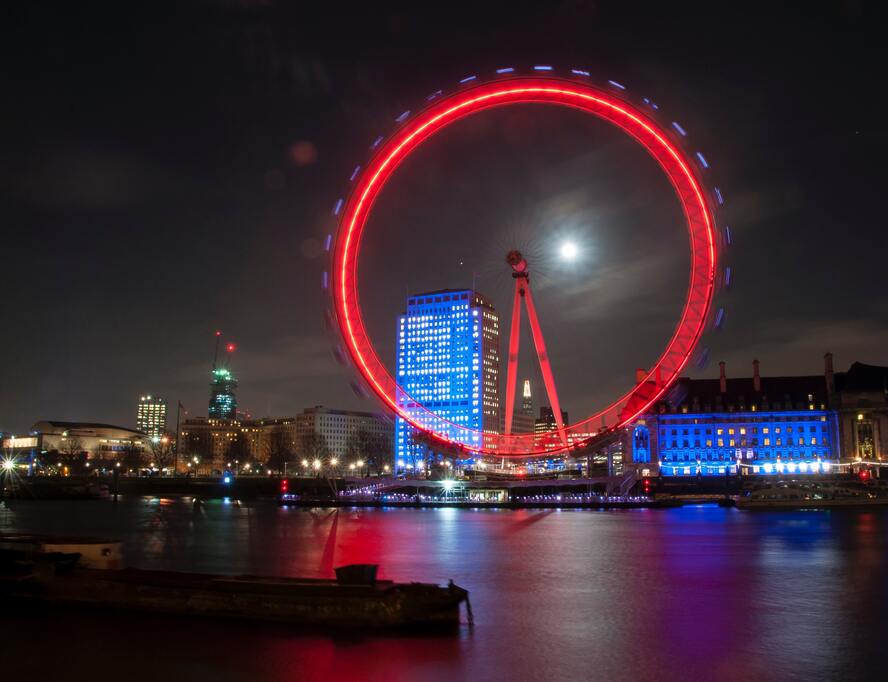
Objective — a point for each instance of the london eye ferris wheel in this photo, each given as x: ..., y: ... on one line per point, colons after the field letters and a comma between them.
x: 687, y: 172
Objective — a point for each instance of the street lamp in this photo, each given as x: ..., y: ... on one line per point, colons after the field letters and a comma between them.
x: 316, y: 464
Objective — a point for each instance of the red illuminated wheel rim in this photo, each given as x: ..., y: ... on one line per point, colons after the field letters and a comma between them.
x: 445, y: 110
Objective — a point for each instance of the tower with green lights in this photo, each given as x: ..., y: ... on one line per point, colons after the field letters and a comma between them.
x: 223, y: 401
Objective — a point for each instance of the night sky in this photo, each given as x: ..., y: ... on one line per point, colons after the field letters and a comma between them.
x: 169, y: 170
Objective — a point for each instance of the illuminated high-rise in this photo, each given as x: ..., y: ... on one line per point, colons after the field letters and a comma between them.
x: 223, y: 402
x: 448, y: 369
x: 151, y: 415
x: 523, y: 421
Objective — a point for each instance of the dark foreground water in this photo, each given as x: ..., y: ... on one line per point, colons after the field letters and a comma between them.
x: 698, y: 593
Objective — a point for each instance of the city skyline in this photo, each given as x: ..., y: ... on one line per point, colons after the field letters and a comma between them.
x: 248, y: 258
x: 318, y: 319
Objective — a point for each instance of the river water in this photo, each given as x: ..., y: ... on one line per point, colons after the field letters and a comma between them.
x: 697, y: 593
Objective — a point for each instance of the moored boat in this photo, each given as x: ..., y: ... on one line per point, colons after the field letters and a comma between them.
x: 355, y: 599
x: 811, y: 496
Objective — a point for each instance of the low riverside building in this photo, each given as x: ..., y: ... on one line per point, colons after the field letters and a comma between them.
x: 316, y: 432
x: 860, y: 399
x: 96, y: 441
x: 270, y: 435
x: 765, y: 425
x: 207, y: 444
x: 335, y: 427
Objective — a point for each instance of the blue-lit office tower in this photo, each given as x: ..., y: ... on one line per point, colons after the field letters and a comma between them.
x: 223, y: 402
x: 448, y: 364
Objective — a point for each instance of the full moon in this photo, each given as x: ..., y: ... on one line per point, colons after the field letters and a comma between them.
x: 569, y: 251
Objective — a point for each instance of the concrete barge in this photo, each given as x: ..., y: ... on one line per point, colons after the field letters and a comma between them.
x: 355, y: 600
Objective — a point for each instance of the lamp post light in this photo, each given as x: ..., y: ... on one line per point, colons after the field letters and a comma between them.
x: 178, y: 431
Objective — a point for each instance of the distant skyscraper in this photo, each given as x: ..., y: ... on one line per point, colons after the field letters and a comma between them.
x: 448, y: 364
x: 151, y: 415
x: 523, y: 421
x: 223, y: 402
x: 545, y: 426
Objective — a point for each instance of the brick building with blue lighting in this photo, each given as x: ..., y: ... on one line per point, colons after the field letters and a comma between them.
x: 755, y: 425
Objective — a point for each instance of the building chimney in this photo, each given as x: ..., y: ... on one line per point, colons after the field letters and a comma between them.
x: 756, y: 378
x: 722, y: 379
x: 830, y: 377
x: 640, y: 374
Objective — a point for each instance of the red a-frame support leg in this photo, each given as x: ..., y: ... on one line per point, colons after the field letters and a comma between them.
x: 522, y: 290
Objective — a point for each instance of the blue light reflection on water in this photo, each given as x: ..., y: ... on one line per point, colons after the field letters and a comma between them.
x: 690, y: 593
